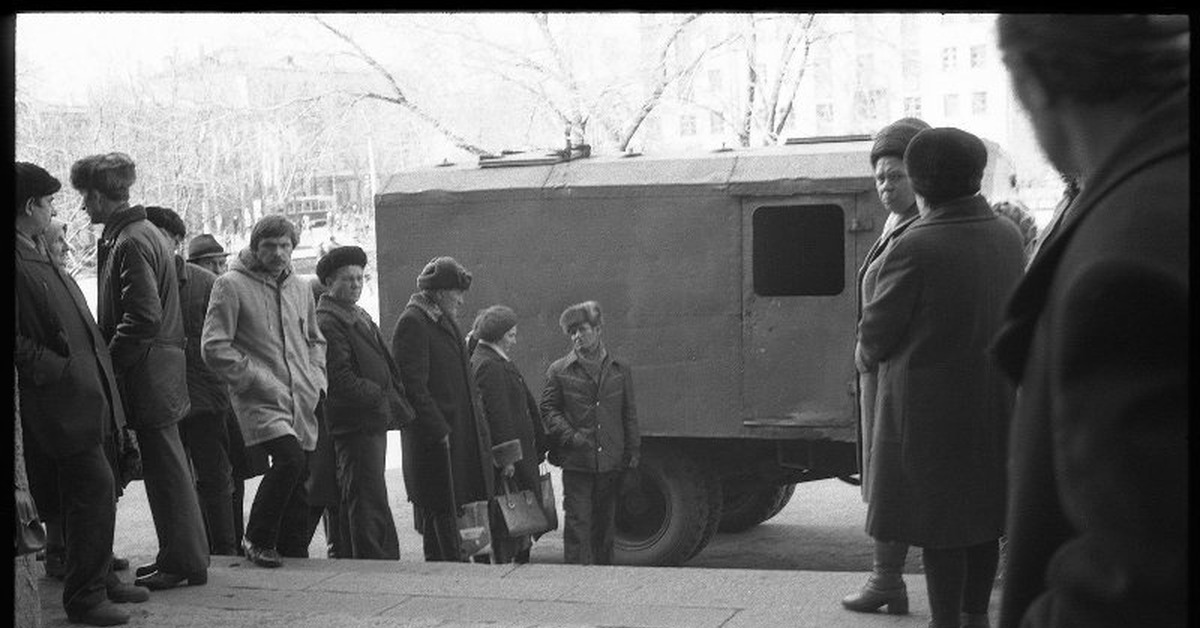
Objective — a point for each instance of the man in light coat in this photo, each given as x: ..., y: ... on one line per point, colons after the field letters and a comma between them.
x: 138, y: 311
x: 261, y: 336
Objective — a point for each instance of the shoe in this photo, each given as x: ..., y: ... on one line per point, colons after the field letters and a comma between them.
x: 263, y: 557
x: 160, y: 580
x: 56, y: 563
x: 870, y: 599
x: 120, y: 564
x: 102, y: 614
x: 122, y: 593
x: 142, y: 570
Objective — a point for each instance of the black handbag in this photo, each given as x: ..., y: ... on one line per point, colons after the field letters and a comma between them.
x: 30, y: 533
x: 520, y: 512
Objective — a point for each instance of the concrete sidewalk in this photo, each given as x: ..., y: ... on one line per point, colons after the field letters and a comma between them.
x: 323, y: 593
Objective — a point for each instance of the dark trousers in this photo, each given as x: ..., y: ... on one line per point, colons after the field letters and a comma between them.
x: 206, y: 439
x: 959, y: 580
x: 88, y: 504
x: 171, y: 493
x: 280, y: 517
x: 590, y: 505
x: 361, y: 458
x: 439, y: 534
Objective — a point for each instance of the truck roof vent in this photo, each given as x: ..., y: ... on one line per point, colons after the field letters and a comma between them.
x: 513, y: 158
x: 824, y: 139
x: 446, y: 163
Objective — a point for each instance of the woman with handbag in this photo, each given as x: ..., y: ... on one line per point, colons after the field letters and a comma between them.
x: 518, y: 441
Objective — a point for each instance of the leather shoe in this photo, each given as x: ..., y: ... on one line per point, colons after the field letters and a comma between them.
x: 163, y: 580
x: 144, y: 570
x: 263, y: 557
x: 102, y: 614
x: 870, y: 599
x: 121, y: 593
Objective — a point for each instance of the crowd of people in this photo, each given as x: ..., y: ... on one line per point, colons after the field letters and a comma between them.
x: 1011, y: 384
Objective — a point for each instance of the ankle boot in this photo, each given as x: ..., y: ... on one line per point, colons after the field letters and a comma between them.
x: 975, y: 620
x: 886, y: 585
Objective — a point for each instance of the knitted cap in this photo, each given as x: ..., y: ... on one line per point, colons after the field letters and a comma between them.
x: 893, y: 139
x: 444, y: 273
x: 492, y: 323
x: 945, y: 163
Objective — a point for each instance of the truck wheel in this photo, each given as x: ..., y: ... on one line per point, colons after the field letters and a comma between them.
x: 716, y: 499
x: 746, y: 506
x: 662, y: 520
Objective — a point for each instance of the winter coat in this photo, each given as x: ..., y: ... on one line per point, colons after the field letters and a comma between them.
x: 205, y: 390
x: 1097, y: 336
x: 365, y: 389
x: 139, y: 313
x: 432, y: 356
x: 868, y: 382
x: 592, y: 424
x: 510, y: 410
x: 69, y: 395
x: 261, y: 337
x: 942, y: 409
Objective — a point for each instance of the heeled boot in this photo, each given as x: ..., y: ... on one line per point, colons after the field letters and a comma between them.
x: 886, y: 584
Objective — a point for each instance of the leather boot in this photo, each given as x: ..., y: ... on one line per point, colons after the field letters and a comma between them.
x: 886, y: 584
x: 975, y: 620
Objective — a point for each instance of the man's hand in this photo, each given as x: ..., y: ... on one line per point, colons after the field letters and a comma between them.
x: 509, y: 470
x: 631, y: 462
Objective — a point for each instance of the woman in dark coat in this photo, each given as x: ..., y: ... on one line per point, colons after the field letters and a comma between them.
x: 511, y: 414
x: 432, y: 355
x: 942, y: 410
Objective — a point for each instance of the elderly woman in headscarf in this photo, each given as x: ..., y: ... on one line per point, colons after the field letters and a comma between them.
x: 518, y: 441
x: 885, y: 586
x: 938, y: 458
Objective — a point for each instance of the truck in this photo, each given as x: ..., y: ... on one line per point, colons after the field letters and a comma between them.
x: 726, y: 279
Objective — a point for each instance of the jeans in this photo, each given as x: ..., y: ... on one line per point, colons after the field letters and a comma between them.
x: 590, y: 505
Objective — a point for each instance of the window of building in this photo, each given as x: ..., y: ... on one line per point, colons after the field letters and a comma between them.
x: 912, y: 107
x: 979, y: 103
x: 870, y: 103
x: 949, y: 59
x: 798, y: 250
x: 825, y: 112
x: 687, y: 124
x: 950, y: 105
x: 978, y: 56
x: 910, y: 68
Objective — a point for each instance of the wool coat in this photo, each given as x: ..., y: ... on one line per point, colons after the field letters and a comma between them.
x: 592, y: 422
x: 206, y: 391
x: 868, y: 381
x: 943, y: 407
x: 510, y: 410
x: 261, y: 337
x: 1097, y: 336
x: 139, y: 314
x: 365, y: 389
x: 432, y: 356
x: 69, y: 396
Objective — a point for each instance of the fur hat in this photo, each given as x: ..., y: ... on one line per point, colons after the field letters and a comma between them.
x: 32, y: 181
x: 586, y: 312
x: 338, y: 257
x: 444, y: 273
x: 204, y: 246
x: 492, y: 323
x: 894, y: 138
x: 945, y: 163
x: 110, y: 174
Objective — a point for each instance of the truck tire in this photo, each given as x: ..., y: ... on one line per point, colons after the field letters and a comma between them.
x: 663, y: 520
x: 748, y: 506
x: 716, y: 499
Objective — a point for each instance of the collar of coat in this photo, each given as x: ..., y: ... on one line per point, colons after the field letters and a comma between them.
x: 965, y: 209
x: 422, y: 302
x: 485, y: 345
x: 247, y: 263
x: 606, y: 359
x: 28, y: 249
x: 122, y: 217
x: 1162, y: 134
x: 347, y: 313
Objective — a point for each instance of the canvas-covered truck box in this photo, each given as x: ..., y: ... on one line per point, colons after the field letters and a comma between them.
x: 726, y: 279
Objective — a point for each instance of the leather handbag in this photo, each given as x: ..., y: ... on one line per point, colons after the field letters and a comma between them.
x: 520, y: 511
x: 30, y: 533
x: 546, y: 497
x: 474, y: 530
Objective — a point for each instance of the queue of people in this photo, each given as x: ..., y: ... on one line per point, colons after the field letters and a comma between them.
x: 1046, y: 405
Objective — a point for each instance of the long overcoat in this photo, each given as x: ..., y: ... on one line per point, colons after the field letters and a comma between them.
x: 138, y: 311
x: 1097, y: 335
x: 261, y: 337
x: 432, y: 356
x: 868, y: 383
x: 943, y: 407
x: 510, y: 410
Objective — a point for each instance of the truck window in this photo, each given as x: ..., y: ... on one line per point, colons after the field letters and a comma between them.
x: 798, y: 250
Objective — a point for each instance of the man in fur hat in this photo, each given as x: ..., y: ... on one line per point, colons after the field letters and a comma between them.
x: 591, y: 423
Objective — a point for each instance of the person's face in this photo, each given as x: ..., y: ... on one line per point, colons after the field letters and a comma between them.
x: 40, y: 210
x: 274, y: 253
x: 508, y: 340
x: 57, y: 245
x: 172, y: 239
x: 891, y: 182
x: 1045, y: 117
x: 451, y: 300
x: 95, y: 207
x: 215, y: 265
x: 584, y: 337
x: 346, y: 283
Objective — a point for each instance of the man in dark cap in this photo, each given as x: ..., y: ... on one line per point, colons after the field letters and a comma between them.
x: 590, y: 416
x: 366, y: 399
x: 433, y: 361
x: 138, y: 311
x: 885, y: 586
x: 938, y: 463
x: 71, y: 408
x: 1097, y: 333
x: 205, y: 252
